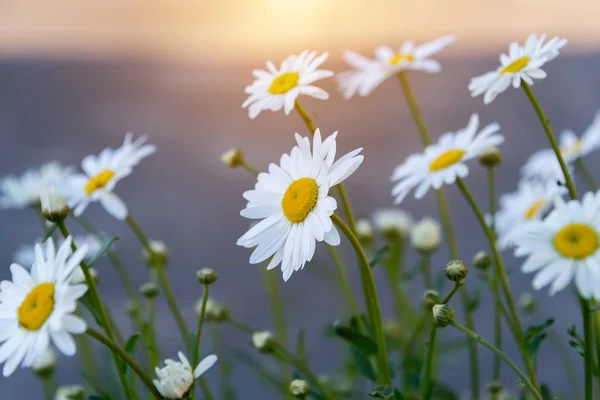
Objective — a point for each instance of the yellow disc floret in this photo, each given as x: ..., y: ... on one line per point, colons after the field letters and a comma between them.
x: 99, y: 181
x: 401, y: 57
x: 516, y: 65
x: 576, y: 241
x: 37, y: 307
x: 284, y: 83
x: 446, y: 159
x: 299, y: 199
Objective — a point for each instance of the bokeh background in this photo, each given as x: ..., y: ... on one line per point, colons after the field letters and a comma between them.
x: 76, y: 75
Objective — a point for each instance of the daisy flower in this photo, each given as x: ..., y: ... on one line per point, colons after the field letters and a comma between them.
x: 293, y: 204
x: 530, y: 202
x: 175, y: 380
x: 392, y: 221
x: 443, y: 162
x: 279, y: 88
x: 25, y: 254
x: 521, y: 63
x: 564, y: 246
x: 544, y: 166
x: 101, y: 175
x: 38, y: 306
x: 367, y: 74
x: 25, y: 190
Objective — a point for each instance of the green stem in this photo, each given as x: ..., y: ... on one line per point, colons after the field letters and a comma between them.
x: 532, y: 388
x: 249, y: 167
x: 497, y: 362
x: 93, y: 290
x: 195, y: 354
x: 408, y: 345
x: 501, y: 274
x: 306, y: 118
x: 240, y: 325
x: 118, y: 351
x: 153, y: 356
x: 339, y: 266
x: 414, y: 107
x: 428, y: 367
x: 287, y: 356
x: 426, y: 271
x: 551, y: 138
x: 172, y: 302
x: 586, y: 315
x: 370, y: 293
x: 452, y: 292
x: 49, y: 388
x: 586, y: 175
x: 394, y: 269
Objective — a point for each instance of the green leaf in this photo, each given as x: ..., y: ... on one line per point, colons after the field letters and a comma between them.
x: 105, y: 246
x: 379, y: 255
x: 130, y: 349
x: 300, y: 344
x: 97, y: 397
x: 577, y: 346
x: 442, y: 392
x: 88, y: 301
x: 533, y: 347
x: 49, y: 233
x: 386, y: 392
x: 535, y: 330
x: 545, y: 392
x: 363, y: 365
x: 364, y: 343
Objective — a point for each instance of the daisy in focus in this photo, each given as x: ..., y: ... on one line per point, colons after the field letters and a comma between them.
x: 25, y: 254
x: 441, y: 163
x: 101, y: 175
x: 522, y: 63
x: 564, y: 246
x: 38, y: 306
x: 176, y: 378
x: 25, y: 190
x: 367, y: 74
x: 279, y: 88
x: 293, y: 204
x: 530, y: 202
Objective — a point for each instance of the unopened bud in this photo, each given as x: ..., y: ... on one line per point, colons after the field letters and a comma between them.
x: 392, y: 329
x: 44, y: 364
x: 299, y: 388
x: 215, y: 312
x: 482, y: 260
x: 494, y: 387
x: 431, y: 298
x: 158, y: 253
x: 443, y: 314
x: 456, y: 271
x: 426, y: 235
x: 527, y: 302
x: 132, y: 307
x: 364, y: 230
x: 490, y: 157
x: 263, y: 341
x: 73, y: 392
x: 149, y: 290
x: 54, y: 205
x: 206, y: 276
x: 233, y: 158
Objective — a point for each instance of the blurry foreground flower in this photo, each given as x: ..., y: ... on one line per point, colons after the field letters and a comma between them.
x: 441, y: 163
x: 564, y: 246
x: 101, y: 175
x: 279, y: 88
x: 368, y: 74
x: 71, y: 392
x: 293, y: 204
x: 176, y: 378
x: 38, y: 306
x: 543, y: 166
x: 25, y: 190
x: 426, y: 235
x: 521, y: 63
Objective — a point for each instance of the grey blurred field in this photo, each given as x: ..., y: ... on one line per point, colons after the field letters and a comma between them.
x: 63, y: 110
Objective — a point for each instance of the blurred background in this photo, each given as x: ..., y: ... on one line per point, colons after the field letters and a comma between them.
x: 75, y: 76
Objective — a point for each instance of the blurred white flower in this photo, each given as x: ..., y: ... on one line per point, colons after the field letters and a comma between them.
x: 426, y: 235
x: 393, y: 221
x: 71, y: 392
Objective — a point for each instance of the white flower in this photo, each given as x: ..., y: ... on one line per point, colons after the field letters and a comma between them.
x: 564, y: 246
x: 393, y: 220
x: 544, y: 166
x: 176, y: 378
x: 293, y: 203
x: 25, y: 254
x: 38, y: 306
x: 72, y: 392
x: 25, y: 190
x: 44, y: 363
x: 521, y: 63
x: 441, y: 163
x: 368, y: 74
x: 101, y: 175
x: 364, y: 229
x: 530, y: 202
x: 426, y: 235
x: 279, y: 88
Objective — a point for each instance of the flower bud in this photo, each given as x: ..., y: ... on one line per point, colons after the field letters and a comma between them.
x: 233, y: 158
x: 78, y: 277
x: 54, y: 205
x: 44, y: 364
x: 482, y: 260
x: 263, y: 341
x: 392, y: 222
x: 431, y: 298
x: 215, y: 312
x: 494, y: 387
x: 426, y: 236
x: 73, y: 392
x: 299, y: 388
x: 149, y: 290
x: 443, y: 314
x: 206, y: 276
x: 392, y: 329
x: 131, y: 307
x: 456, y: 271
x: 159, y: 253
x: 490, y: 157
x: 527, y: 303
x: 364, y: 230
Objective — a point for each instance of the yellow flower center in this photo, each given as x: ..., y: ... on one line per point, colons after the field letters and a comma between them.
x: 99, y: 181
x: 401, y: 57
x: 571, y: 149
x: 516, y: 65
x: 284, y: 82
x: 446, y: 159
x: 534, y: 208
x: 576, y: 241
x: 299, y: 199
x: 37, y: 307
